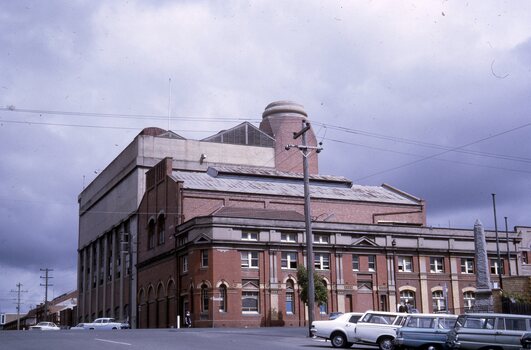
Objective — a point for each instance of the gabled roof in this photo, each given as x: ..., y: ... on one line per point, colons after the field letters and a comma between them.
x: 291, y: 187
x: 271, y: 214
x: 158, y: 132
x: 243, y: 134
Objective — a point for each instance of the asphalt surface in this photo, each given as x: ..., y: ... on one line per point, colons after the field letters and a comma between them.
x: 162, y: 339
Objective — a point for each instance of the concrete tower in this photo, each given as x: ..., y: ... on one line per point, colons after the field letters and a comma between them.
x: 280, y: 120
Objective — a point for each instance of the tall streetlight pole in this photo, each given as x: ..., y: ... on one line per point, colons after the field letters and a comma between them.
x: 497, y: 241
x: 305, y: 150
x: 508, y: 247
x: 397, y: 294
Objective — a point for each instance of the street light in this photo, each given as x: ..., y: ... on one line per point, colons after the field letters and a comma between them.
x: 397, y: 295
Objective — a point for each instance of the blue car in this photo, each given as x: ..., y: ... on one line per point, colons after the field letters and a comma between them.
x: 424, y: 331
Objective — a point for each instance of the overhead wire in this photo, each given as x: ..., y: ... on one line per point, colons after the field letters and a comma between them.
x: 444, y: 152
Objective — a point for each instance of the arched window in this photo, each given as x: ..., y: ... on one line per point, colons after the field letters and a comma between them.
x: 151, y: 235
x: 407, y: 296
x: 323, y: 308
x: 222, y: 298
x: 290, y: 297
x: 469, y: 298
x: 439, y: 304
x: 204, y: 298
x: 160, y: 229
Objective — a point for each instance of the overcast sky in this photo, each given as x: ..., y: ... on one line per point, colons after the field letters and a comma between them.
x: 432, y: 97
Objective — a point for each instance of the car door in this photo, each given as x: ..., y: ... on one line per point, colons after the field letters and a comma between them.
x: 509, y: 330
x: 350, y: 327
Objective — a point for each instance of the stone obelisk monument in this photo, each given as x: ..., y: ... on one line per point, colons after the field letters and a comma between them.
x: 483, y: 302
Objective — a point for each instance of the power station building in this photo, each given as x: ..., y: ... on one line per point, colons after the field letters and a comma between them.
x: 216, y: 227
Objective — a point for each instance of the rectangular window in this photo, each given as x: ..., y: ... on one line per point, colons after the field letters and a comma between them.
x: 322, y: 261
x: 355, y: 262
x: 249, y: 259
x: 512, y: 324
x: 436, y: 265
x: 249, y: 302
x: 288, y: 237
x: 321, y: 239
x: 289, y: 303
x: 185, y: 263
x: 289, y: 260
x: 494, y: 266
x: 405, y: 264
x: 323, y: 309
x: 249, y: 236
x: 250, y: 296
x: 204, y: 258
x: 467, y: 265
x: 371, y: 263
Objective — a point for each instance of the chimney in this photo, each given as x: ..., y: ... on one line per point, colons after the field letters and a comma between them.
x: 280, y: 120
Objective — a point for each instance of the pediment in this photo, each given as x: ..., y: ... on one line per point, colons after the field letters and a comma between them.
x: 364, y: 242
x: 202, y: 239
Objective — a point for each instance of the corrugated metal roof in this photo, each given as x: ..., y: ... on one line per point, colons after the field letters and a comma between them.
x: 277, y: 187
x: 220, y: 171
x: 257, y: 213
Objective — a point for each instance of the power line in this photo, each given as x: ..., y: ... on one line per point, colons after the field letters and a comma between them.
x: 447, y: 151
x: 123, y: 115
x: 438, y: 159
x: 87, y: 126
x: 432, y: 145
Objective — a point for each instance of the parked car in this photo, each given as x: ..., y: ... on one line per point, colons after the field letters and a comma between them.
x: 334, y: 315
x: 525, y: 340
x: 340, y: 331
x: 424, y: 331
x: 45, y: 326
x: 488, y: 331
x: 378, y: 328
x: 105, y: 323
x: 79, y: 326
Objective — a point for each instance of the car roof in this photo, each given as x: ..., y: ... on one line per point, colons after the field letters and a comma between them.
x: 386, y: 313
x: 496, y: 315
x: 433, y: 315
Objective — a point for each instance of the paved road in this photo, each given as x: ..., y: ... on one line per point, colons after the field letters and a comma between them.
x: 162, y: 339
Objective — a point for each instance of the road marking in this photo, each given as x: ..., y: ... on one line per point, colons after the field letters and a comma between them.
x: 111, y: 341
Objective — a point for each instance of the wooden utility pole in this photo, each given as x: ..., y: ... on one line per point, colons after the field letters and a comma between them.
x: 18, y: 291
x: 305, y: 150
x: 46, y: 285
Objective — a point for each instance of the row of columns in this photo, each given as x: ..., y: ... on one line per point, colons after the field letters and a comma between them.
x: 95, y: 263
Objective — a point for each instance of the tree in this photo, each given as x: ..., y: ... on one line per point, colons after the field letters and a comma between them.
x: 321, y: 294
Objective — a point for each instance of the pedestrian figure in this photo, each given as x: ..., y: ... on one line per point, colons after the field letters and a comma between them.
x: 408, y: 307
x: 402, y: 308
x: 187, y: 319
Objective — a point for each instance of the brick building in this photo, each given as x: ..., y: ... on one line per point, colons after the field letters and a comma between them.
x: 217, y: 227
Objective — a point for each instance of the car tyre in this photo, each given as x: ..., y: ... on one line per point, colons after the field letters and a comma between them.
x: 338, y: 340
x: 432, y: 347
x: 386, y: 343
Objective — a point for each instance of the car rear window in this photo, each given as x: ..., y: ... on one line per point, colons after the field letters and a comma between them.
x: 512, y: 324
x: 379, y: 319
x: 446, y: 323
x: 354, y: 318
